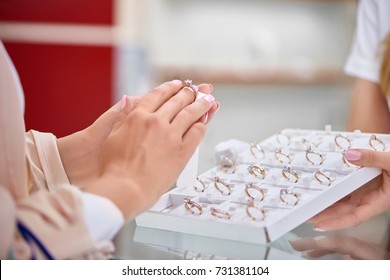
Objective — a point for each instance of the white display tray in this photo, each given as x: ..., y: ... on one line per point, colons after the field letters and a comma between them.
x: 170, y: 214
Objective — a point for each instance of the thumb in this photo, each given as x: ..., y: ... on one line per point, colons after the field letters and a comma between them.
x: 368, y: 158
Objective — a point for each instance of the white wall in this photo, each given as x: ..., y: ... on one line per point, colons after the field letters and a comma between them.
x: 260, y: 35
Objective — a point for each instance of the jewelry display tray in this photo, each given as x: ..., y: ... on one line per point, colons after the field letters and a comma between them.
x: 274, y: 216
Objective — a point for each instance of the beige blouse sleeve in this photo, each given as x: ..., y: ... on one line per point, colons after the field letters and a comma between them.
x: 54, y: 210
x: 44, y: 166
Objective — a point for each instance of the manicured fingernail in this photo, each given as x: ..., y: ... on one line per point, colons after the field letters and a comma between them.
x: 352, y: 155
x: 206, y: 117
x: 209, y: 98
x: 123, y: 102
x: 319, y: 229
x: 177, y: 82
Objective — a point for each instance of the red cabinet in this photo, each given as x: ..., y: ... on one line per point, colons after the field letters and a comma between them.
x: 66, y: 86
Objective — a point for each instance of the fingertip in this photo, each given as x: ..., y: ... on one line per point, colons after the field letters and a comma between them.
x: 353, y: 155
x: 177, y: 82
x: 206, y: 88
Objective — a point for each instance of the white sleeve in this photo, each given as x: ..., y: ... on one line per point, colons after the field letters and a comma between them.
x: 102, y: 217
x: 364, y: 59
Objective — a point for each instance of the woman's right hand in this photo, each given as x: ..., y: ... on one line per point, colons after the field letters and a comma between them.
x: 146, y: 151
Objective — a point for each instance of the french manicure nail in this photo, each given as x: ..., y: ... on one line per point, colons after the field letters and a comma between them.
x: 209, y: 98
x: 319, y: 229
x: 123, y: 102
x: 177, y: 82
x: 352, y: 155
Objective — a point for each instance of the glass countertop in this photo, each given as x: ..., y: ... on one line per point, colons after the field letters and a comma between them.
x: 369, y: 240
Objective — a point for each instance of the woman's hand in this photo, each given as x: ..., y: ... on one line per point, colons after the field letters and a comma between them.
x: 80, y: 151
x: 148, y: 148
x: 366, y: 202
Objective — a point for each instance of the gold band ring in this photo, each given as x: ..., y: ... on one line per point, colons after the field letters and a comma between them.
x: 227, y: 164
x: 255, y: 217
x: 290, y: 175
x: 202, y: 183
x: 325, y: 179
x: 256, y: 170
x: 284, y: 193
x: 343, y: 142
x: 320, y: 157
x: 249, y: 186
x: 220, y: 213
x: 282, y: 157
x: 218, y: 181
x: 280, y: 136
x: 189, y: 205
x: 257, y: 149
x: 373, y: 139
x: 188, y: 83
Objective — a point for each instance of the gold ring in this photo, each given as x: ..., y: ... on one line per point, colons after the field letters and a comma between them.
x: 282, y: 157
x: 189, y: 205
x: 281, y: 135
x: 220, y: 213
x: 256, y: 149
x: 227, y: 164
x: 256, y: 170
x: 258, y: 209
x: 374, y: 138
x: 284, y: 193
x: 319, y: 174
x: 287, y: 172
x: 188, y: 83
x: 340, y: 139
x: 309, y: 151
x: 203, y: 183
x: 218, y: 181
x: 249, y: 186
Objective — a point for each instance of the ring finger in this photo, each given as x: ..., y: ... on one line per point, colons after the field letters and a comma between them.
x: 176, y: 103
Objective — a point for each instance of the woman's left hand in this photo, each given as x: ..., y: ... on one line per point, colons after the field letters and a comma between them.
x: 80, y: 151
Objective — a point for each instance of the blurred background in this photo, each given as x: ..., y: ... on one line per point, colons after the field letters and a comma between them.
x: 274, y: 64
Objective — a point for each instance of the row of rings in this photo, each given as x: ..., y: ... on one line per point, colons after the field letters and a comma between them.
x: 341, y: 141
x: 315, y: 158
x: 221, y: 186
x: 190, y: 205
x: 287, y: 172
x: 374, y: 142
x: 284, y: 193
x: 221, y: 214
